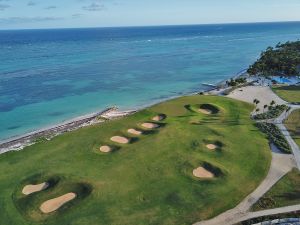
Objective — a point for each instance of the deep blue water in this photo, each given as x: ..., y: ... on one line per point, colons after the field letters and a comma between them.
x: 49, y: 76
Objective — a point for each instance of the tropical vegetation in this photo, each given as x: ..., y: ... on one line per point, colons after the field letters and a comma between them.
x: 283, y: 60
x: 273, y: 112
x: 238, y: 81
x: 275, y: 136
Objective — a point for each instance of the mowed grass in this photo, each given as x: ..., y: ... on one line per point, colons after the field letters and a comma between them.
x: 148, y: 181
x: 293, y: 125
x: 288, y: 93
x: 286, y: 192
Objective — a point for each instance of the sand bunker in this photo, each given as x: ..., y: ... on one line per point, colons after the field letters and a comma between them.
x: 105, y: 149
x: 211, y: 146
x: 134, y: 131
x: 208, y: 109
x: 55, y: 203
x: 158, y: 118
x: 150, y: 125
x: 119, y: 139
x: 29, y: 189
x: 201, y: 172
x: 205, y: 111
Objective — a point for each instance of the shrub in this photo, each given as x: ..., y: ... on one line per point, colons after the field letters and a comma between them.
x: 275, y: 136
x: 237, y: 81
x: 274, y: 112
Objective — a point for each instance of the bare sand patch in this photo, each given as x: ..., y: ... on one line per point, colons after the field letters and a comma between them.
x: 32, y: 188
x: 158, y: 118
x: 105, y: 149
x: 264, y: 94
x: 205, y: 111
x: 201, y: 172
x: 211, y: 146
x: 55, y: 203
x: 134, y: 131
x: 150, y: 125
x: 120, y: 140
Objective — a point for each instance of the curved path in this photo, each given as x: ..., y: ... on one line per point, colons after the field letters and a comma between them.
x: 281, y: 163
x: 270, y: 212
x: 279, y: 122
x: 266, y: 95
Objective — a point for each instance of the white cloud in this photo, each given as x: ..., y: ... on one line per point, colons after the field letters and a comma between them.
x: 94, y: 7
x: 11, y: 20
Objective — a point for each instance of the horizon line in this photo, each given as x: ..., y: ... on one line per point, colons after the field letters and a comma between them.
x: 137, y: 26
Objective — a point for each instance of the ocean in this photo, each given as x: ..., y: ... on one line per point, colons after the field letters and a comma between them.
x: 51, y: 76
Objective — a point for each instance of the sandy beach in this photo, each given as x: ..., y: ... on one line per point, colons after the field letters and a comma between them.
x: 263, y: 93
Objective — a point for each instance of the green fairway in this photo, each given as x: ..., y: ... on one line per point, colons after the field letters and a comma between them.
x: 288, y: 93
x: 293, y: 125
x: 149, y: 180
x: 286, y: 192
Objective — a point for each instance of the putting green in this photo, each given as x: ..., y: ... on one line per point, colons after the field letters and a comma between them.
x: 147, y: 181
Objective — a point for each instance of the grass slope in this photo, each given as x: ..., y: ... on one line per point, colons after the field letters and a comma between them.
x: 293, y: 125
x: 148, y: 181
x: 288, y: 93
x: 286, y: 192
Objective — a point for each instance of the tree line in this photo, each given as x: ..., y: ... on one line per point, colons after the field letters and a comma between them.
x: 283, y: 60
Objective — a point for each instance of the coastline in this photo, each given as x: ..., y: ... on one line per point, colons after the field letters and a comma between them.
x: 18, y: 143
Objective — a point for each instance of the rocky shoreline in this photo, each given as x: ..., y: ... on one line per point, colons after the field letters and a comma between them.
x: 18, y: 143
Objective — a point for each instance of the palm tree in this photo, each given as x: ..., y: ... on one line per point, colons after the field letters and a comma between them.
x: 272, y: 103
x: 256, y: 101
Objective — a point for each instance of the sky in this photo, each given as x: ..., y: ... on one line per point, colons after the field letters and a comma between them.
x: 35, y: 14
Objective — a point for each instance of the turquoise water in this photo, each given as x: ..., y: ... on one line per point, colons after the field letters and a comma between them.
x: 50, y: 76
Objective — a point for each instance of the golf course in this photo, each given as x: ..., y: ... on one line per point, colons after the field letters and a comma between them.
x: 286, y: 192
x: 288, y: 93
x: 177, y: 162
x: 293, y: 124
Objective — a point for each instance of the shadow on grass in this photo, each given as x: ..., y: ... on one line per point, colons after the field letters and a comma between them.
x: 211, y: 108
x: 150, y: 132
x: 133, y: 140
x: 213, y: 169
